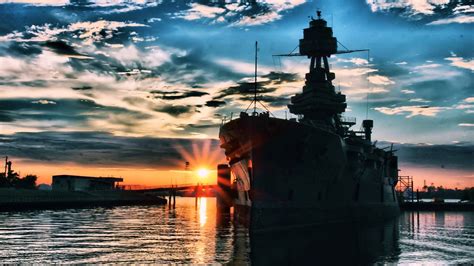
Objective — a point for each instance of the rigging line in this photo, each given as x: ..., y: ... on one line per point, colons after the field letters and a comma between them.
x: 266, y: 108
x: 343, y: 45
x: 277, y: 63
x: 248, y: 106
x: 294, y: 49
x: 368, y: 84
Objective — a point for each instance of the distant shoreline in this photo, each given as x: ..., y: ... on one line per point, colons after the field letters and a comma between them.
x: 26, y: 199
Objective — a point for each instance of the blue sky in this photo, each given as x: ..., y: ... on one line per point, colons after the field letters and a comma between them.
x: 172, y: 69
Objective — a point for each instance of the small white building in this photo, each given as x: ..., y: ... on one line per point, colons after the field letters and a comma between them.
x: 84, y: 183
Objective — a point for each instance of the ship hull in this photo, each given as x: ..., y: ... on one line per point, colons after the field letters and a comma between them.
x: 300, y: 175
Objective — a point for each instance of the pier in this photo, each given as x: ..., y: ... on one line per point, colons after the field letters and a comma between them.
x: 171, y: 191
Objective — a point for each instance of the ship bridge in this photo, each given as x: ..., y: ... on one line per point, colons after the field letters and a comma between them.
x: 319, y: 100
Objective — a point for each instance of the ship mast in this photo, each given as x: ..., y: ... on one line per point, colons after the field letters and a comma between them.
x: 255, y: 79
x: 255, y: 89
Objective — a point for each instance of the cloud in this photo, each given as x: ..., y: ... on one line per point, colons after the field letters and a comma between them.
x: 466, y: 124
x: 43, y: 101
x: 281, y: 77
x: 458, y: 19
x: 466, y: 104
x: 423, y: 66
x: 121, y: 6
x: 65, y: 111
x: 19, y: 49
x: 99, y: 30
x: 99, y: 6
x: 88, y: 31
x: 101, y: 148
x: 452, y: 156
x: 199, y: 11
x: 153, y: 20
x: 407, y: 91
x: 364, y: 91
x: 243, y: 88
x: 82, y: 88
x: 43, y: 68
x: 37, y: 2
x: 62, y: 48
x: 411, y: 111
x: 435, y: 12
x: 215, y: 103
x: 461, y: 63
x: 355, y: 60
x: 380, y: 80
x: 469, y: 100
x: 419, y: 100
x: 242, y: 67
x: 241, y: 14
x: 175, y: 110
x: 425, y: 7
x: 175, y: 95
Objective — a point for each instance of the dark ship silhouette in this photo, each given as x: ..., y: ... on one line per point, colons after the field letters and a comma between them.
x: 288, y: 173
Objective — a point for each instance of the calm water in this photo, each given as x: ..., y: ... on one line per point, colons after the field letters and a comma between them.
x: 191, y: 234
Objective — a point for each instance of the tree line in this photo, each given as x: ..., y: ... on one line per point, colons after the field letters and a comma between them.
x: 10, y: 178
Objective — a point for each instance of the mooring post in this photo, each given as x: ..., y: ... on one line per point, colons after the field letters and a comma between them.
x: 174, y: 198
x: 169, y: 198
x: 195, y: 197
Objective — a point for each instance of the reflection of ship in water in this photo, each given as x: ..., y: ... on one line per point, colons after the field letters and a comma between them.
x: 351, y: 244
x: 316, y: 170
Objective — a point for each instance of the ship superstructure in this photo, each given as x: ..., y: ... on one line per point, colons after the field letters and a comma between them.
x: 316, y: 170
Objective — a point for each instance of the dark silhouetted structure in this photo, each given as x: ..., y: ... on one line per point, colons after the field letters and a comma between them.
x: 84, y: 183
x: 314, y: 170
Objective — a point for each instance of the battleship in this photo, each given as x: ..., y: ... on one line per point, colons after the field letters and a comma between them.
x: 314, y: 170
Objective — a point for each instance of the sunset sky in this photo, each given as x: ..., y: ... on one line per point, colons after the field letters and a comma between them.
x: 136, y: 88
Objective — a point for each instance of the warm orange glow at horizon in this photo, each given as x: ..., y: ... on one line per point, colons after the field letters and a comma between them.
x: 201, y: 168
x: 448, y: 178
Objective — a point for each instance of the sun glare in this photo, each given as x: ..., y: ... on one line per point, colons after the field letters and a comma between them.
x: 202, y: 172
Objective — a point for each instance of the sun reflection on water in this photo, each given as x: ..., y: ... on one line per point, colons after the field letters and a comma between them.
x: 202, y: 211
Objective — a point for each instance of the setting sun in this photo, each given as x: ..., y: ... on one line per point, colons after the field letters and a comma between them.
x: 202, y: 172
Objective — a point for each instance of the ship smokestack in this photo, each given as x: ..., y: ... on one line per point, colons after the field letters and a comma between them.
x: 368, y: 125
